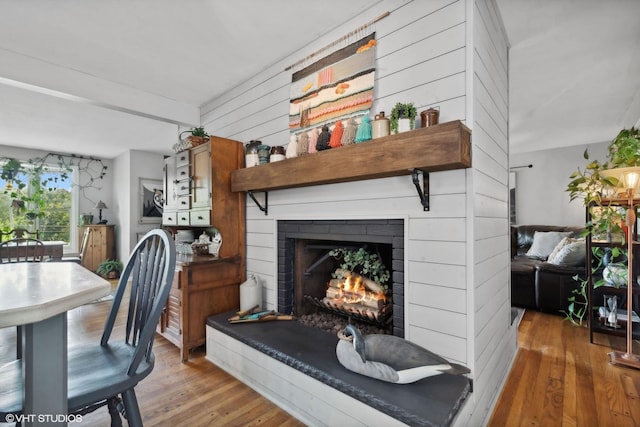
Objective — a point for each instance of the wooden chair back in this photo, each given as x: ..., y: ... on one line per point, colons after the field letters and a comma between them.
x: 21, y: 250
x: 85, y: 242
x: 19, y: 233
x: 149, y: 272
x: 107, y: 373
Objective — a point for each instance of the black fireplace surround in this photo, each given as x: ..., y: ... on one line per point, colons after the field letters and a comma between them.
x: 371, y: 231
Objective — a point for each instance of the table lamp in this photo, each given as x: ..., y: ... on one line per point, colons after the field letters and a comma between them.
x: 100, y: 205
x: 628, y: 180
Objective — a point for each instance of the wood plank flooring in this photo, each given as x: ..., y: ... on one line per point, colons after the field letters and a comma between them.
x: 196, y: 393
x: 560, y: 379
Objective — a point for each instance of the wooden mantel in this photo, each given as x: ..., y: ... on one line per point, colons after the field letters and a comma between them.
x: 441, y: 147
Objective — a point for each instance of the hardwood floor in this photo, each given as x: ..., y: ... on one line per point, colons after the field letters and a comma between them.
x: 196, y: 393
x: 560, y: 379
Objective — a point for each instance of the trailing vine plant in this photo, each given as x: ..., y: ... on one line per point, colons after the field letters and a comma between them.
x: 577, y: 308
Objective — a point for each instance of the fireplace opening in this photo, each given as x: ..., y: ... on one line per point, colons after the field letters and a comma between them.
x: 315, y: 286
x: 348, y: 279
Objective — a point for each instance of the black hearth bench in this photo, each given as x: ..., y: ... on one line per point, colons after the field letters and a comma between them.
x: 433, y: 401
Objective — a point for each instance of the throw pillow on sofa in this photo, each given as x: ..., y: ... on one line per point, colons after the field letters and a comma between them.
x: 564, y: 242
x: 571, y: 254
x: 544, y: 242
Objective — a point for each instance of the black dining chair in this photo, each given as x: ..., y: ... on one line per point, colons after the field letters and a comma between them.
x: 106, y: 373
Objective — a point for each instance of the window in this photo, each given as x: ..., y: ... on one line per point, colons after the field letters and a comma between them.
x: 42, y: 200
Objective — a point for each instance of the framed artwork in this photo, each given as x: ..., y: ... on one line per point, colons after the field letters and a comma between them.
x: 151, y: 197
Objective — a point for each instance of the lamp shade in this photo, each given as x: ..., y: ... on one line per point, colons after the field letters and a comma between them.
x: 101, y: 205
x: 626, y: 178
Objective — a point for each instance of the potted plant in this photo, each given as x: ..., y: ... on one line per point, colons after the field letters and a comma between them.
x: 109, y: 269
x: 594, y: 187
x: 403, y: 117
x: 196, y: 137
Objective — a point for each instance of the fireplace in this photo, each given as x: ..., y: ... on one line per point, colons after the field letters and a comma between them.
x: 305, y: 268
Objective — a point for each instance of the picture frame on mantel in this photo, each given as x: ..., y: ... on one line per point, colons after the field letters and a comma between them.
x: 150, y: 198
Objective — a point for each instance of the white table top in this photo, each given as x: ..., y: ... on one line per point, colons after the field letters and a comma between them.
x: 33, y: 291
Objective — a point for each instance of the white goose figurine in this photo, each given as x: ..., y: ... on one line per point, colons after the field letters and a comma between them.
x: 390, y: 358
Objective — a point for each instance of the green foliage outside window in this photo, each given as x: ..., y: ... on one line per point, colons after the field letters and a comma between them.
x: 36, y: 193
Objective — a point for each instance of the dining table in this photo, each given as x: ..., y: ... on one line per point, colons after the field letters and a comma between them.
x: 53, y: 249
x: 37, y: 296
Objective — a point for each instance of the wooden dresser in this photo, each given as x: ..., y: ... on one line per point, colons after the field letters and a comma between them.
x: 201, y: 287
x: 100, y: 247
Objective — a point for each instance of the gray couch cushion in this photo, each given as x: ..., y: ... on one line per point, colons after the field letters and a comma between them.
x: 571, y: 254
x: 544, y: 242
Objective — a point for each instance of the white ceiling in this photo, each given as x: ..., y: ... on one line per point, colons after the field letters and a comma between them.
x: 574, y: 72
x: 100, y: 78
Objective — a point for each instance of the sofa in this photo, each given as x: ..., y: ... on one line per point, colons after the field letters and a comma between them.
x: 545, y: 281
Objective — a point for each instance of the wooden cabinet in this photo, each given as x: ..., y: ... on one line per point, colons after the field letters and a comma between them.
x: 201, y: 178
x: 204, y: 285
x: 100, y: 245
x: 176, y: 187
x: 201, y: 287
x: 197, y: 185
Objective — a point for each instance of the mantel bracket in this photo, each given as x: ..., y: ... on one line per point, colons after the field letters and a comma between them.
x: 264, y: 208
x: 423, y: 192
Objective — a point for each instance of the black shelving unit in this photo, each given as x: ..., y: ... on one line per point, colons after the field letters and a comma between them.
x: 596, y: 295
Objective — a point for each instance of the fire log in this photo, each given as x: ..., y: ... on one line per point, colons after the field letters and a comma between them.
x: 368, y: 283
x: 335, y: 294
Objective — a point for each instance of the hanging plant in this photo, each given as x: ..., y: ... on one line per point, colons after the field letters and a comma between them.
x: 27, y: 183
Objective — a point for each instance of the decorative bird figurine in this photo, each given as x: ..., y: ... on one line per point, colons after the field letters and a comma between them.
x: 390, y: 358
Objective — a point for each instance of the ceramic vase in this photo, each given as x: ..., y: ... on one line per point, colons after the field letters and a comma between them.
x: 404, y: 125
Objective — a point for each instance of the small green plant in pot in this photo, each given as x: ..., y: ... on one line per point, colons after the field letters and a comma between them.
x: 197, y: 136
x: 402, y: 111
x: 198, y: 131
x: 109, y: 269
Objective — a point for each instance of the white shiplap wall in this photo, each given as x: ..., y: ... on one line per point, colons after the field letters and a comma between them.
x: 494, y: 339
x: 455, y: 252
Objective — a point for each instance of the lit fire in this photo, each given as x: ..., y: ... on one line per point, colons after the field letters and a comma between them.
x: 354, y: 293
x: 353, y: 290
